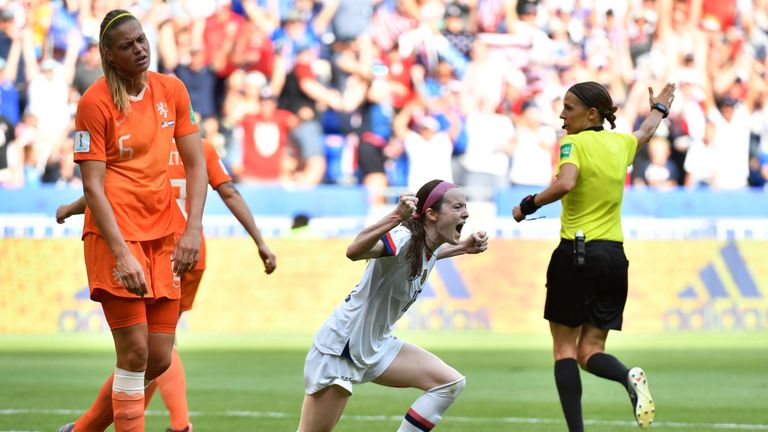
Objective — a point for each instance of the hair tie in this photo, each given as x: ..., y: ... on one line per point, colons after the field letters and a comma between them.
x: 111, y: 21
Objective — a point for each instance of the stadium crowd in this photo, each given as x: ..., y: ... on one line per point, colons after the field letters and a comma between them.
x: 398, y: 92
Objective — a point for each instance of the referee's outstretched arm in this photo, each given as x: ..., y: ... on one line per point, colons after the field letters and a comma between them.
x: 659, y: 109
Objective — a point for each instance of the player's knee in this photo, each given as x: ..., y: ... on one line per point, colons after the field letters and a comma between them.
x: 449, y: 391
x: 583, y: 356
x: 133, y: 358
x: 157, y: 366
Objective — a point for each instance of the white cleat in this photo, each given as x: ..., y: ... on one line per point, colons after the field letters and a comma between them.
x: 640, y: 396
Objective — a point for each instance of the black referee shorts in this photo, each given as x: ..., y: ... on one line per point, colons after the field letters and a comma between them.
x: 594, y: 293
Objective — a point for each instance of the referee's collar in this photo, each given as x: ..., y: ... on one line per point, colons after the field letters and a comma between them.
x: 594, y: 128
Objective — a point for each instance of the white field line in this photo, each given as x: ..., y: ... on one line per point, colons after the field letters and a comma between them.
x: 449, y: 418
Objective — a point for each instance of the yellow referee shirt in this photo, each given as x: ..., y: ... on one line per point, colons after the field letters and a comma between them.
x: 594, y: 204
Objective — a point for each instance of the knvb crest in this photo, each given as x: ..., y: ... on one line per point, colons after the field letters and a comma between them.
x: 162, y: 109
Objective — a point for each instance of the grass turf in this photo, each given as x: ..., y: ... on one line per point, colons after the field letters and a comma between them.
x: 700, y: 383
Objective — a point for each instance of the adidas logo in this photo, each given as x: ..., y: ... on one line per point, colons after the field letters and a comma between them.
x: 447, y: 309
x: 715, y: 307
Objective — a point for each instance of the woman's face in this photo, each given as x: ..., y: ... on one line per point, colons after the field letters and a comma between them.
x: 129, y: 49
x: 451, y: 218
x: 577, y: 117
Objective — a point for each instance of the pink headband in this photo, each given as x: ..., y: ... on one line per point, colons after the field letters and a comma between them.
x: 433, y: 196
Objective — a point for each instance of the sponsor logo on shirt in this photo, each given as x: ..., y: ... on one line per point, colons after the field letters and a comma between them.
x: 82, y: 142
x: 565, y: 150
x: 167, y: 124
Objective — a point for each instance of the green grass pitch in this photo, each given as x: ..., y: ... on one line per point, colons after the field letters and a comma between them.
x: 700, y: 383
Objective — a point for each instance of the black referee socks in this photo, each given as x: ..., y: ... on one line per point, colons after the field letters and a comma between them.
x: 608, y: 367
x: 568, y: 384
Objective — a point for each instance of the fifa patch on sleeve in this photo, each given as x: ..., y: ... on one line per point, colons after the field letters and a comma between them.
x: 192, y: 114
x: 82, y: 142
x: 565, y: 150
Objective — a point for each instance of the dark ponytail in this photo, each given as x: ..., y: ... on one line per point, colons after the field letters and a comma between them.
x: 415, y: 248
x: 594, y: 95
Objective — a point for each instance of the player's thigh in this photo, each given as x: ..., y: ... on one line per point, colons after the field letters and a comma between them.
x: 564, y: 340
x: 162, y: 316
x: 321, y: 410
x: 416, y: 367
x: 190, y: 282
x: 591, y: 341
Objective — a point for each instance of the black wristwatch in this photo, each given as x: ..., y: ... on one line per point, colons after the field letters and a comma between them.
x: 660, y: 107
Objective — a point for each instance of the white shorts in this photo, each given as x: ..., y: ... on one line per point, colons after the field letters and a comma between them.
x: 324, y: 370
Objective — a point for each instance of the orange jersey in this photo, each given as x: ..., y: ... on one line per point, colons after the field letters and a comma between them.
x: 217, y: 175
x: 136, y: 148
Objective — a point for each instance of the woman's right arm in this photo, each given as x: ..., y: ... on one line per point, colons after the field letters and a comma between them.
x: 368, y: 243
x: 127, y: 267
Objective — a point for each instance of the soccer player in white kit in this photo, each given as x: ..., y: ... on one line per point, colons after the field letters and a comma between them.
x: 355, y: 344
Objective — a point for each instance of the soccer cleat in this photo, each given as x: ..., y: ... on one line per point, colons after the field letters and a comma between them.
x: 186, y: 429
x: 640, y: 396
x: 69, y: 427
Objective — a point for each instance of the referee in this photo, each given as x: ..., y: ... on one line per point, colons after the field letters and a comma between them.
x: 587, y: 274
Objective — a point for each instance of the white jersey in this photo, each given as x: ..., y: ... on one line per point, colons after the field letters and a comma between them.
x: 366, y: 317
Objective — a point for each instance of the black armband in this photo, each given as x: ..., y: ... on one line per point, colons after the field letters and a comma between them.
x: 528, y: 205
x: 660, y: 107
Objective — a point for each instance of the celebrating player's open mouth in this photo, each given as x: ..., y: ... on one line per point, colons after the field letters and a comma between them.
x: 452, y: 217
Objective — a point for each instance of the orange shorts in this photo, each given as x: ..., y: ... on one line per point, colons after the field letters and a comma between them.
x: 160, y: 315
x: 190, y: 281
x: 153, y: 255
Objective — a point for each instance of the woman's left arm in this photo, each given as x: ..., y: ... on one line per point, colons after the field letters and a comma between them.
x: 474, y: 244
x: 188, y: 247
x: 663, y: 101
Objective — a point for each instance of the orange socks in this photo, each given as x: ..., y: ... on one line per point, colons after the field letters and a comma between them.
x: 173, y: 387
x: 123, y: 400
x: 128, y: 401
x: 99, y: 415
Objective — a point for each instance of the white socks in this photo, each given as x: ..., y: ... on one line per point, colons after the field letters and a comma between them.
x: 430, y: 407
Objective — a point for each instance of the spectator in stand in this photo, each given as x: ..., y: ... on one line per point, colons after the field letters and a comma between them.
x: 455, y: 30
x: 429, y: 153
x: 658, y: 171
x: 185, y: 59
x: 9, y: 155
x: 534, y: 148
x: 731, y: 142
x: 300, y: 95
x: 26, y: 144
x: 254, y: 50
x: 219, y: 33
x: 701, y: 160
x: 48, y: 99
x: 9, y: 69
x: 489, y: 145
x: 88, y: 68
x: 483, y: 80
x: 265, y: 141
